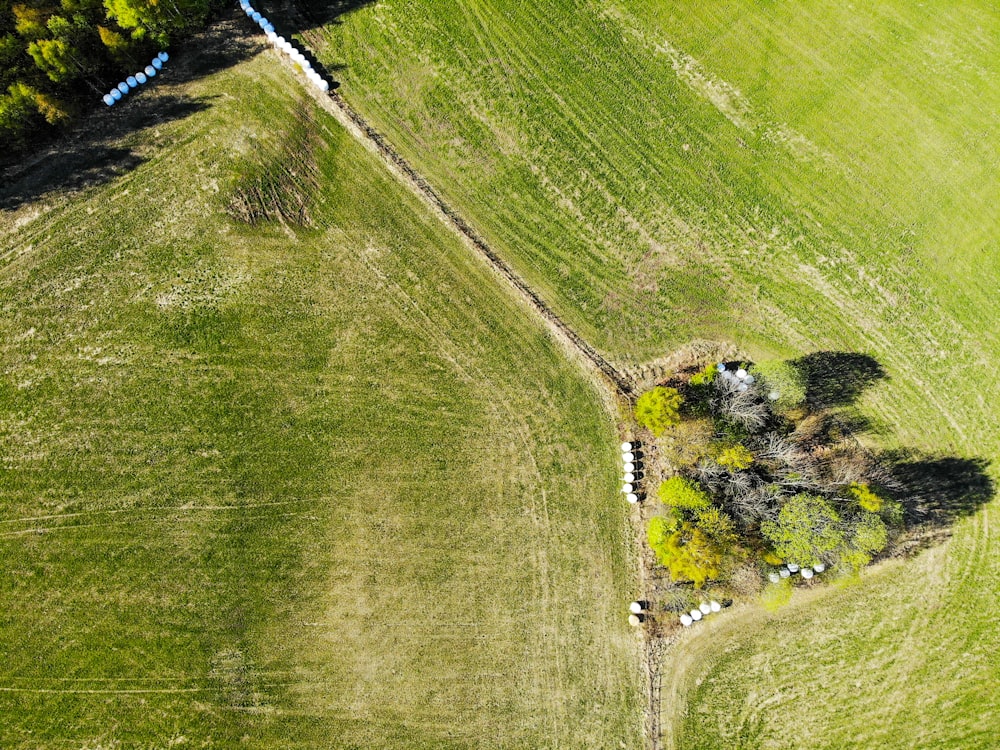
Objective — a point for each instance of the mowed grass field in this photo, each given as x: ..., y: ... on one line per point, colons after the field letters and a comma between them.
x: 325, y: 487
x: 794, y: 177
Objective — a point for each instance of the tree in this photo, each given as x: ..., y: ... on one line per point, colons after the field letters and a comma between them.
x: 736, y: 457
x: 864, y: 496
x: 806, y: 532
x: 678, y: 492
x: 743, y: 408
x: 865, y: 539
x: 717, y: 525
x: 658, y: 409
x: 688, y: 553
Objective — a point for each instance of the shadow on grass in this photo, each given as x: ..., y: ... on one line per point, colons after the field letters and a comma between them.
x: 837, y: 378
x: 91, y: 152
x: 304, y: 16
x: 937, y: 491
x: 85, y: 159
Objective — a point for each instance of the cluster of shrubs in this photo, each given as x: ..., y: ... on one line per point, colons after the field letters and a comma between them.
x: 773, y: 482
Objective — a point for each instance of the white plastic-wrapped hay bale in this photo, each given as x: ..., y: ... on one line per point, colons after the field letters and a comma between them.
x: 696, y: 614
x: 793, y: 568
x: 686, y: 620
x: 819, y: 567
x: 324, y: 86
x: 626, y: 447
x: 807, y: 573
x: 628, y: 478
x: 715, y: 606
x: 628, y: 456
x: 627, y: 488
x: 635, y: 608
x: 720, y: 367
x: 632, y: 498
x: 634, y: 620
x: 773, y: 577
x: 628, y: 466
x: 706, y: 608
x: 784, y: 573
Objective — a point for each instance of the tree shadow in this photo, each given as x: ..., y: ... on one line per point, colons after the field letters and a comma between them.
x: 323, y: 12
x: 938, y: 491
x: 837, y: 378
x: 93, y: 153
x: 292, y: 17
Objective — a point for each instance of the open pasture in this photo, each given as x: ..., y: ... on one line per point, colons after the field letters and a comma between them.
x: 285, y: 486
x: 792, y: 177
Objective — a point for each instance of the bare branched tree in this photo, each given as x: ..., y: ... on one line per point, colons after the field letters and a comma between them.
x: 743, y: 407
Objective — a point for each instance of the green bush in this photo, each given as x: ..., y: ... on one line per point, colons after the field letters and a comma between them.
x: 658, y: 409
x: 688, y: 553
x: 784, y: 379
x: 865, y: 497
x: 807, y: 530
x: 735, y: 456
x: 678, y: 492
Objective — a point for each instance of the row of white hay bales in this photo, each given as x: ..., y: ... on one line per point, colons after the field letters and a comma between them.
x: 705, y: 608
x: 279, y: 42
x: 134, y: 82
x: 790, y: 569
x: 630, y: 457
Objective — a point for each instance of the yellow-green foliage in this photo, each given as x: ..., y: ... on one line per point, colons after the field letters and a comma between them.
x: 658, y: 409
x: 807, y: 529
x: 772, y: 559
x: 659, y: 528
x: 688, y: 553
x: 735, y: 457
x: 705, y: 377
x: 865, y: 496
x: 867, y: 537
x: 717, y: 524
x: 678, y: 492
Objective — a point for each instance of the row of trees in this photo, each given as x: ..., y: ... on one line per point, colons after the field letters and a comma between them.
x: 57, y: 59
x: 775, y: 482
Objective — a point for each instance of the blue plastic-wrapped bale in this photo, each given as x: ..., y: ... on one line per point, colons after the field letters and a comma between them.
x: 132, y: 83
x: 108, y: 99
x: 150, y: 71
x: 140, y: 77
x: 249, y: 12
x: 123, y: 87
x: 115, y: 94
x: 157, y: 63
x: 163, y: 56
x: 256, y: 17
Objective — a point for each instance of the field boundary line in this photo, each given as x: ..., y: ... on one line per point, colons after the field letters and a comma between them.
x: 620, y: 384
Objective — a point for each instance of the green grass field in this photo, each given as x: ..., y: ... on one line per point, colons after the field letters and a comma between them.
x: 789, y: 176
x: 273, y: 487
